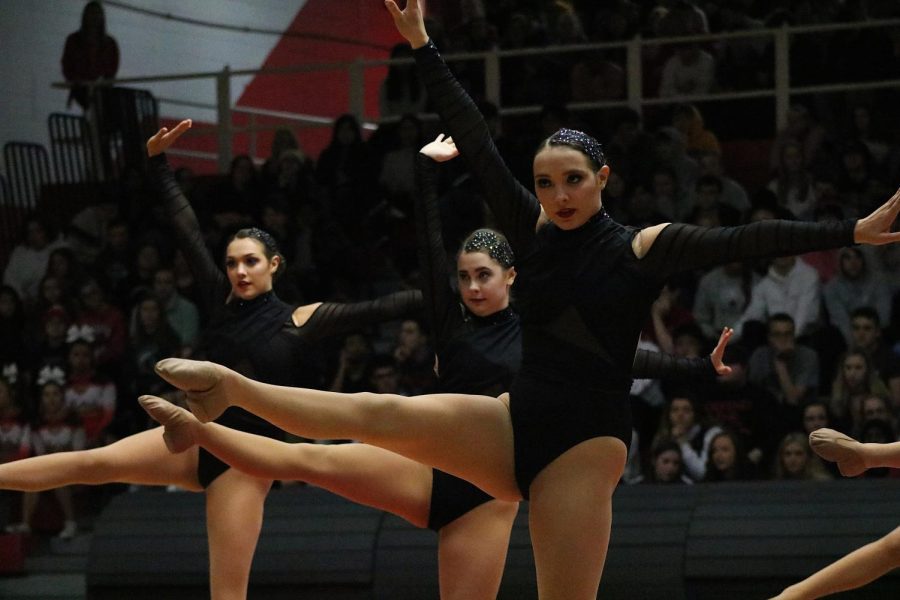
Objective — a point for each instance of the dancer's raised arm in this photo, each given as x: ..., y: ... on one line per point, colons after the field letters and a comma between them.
x: 659, y: 365
x: 212, y: 281
x: 441, y: 301
x: 330, y: 319
x: 516, y: 209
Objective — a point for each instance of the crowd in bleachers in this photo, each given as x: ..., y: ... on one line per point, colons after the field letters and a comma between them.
x: 87, y: 309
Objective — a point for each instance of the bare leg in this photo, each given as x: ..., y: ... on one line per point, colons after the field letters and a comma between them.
x: 570, y: 516
x: 359, y: 472
x: 234, y: 513
x: 850, y: 572
x: 472, y: 551
x: 141, y: 458
x: 468, y: 436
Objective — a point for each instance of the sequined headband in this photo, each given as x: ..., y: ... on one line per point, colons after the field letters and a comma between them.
x: 580, y: 141
x: 496, y: 247
x: 265, y: 237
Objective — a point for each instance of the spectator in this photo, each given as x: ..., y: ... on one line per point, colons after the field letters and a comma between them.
x: 802, y: 129
x: 65, y: 268
x: 666, y: 315
x: 816, y: 416
x: 793, y: 184
x: 667, y: 466
x: 689, y: 72
x: 50, y: 351
x: 854, y: 287
x: 790, y: 286
x: 744, y: 407
x: 90, y: 54
x: 113, y: 265
x: 12, y: 328
x: 722, y: 296
x: 28, y: 261
x: 733, y: 193
x: 344, y: 168
x: 855, y: 379
x: 684, y: 423
x: 858, y: 181
x: 668, y: 151
x: 878, y: 407
x: 670, y: 199
x: 53, y: 434
x: 795, y: 461
x: 15, y: 434
x: 727, y: 460
x: 866, y: 335
x: 107, y: 324
x: 151, y: 339
x: 182, y: 314
x: 788, y: 370
x: 384, y: 377
x: 414, y: 358
x: 91, y: 398
x: 698, y: 140
x: 353, y: 365
x: 709, y: 209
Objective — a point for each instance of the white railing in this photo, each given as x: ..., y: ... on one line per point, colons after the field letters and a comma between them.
x: 635, y: 98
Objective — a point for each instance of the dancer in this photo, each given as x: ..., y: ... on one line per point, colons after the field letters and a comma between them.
x: 478, y: 345
x: 870, y: 562
x: 585, y: 286
x: 250, y: 329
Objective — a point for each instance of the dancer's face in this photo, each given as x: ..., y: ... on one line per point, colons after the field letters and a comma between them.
x: 483, y: 283
x: 249, y: 271
x: 567, y: 186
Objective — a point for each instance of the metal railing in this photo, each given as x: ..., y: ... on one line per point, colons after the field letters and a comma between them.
x: 635, y: 97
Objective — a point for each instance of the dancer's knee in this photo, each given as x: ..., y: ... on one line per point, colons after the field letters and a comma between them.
x: 380, y: 413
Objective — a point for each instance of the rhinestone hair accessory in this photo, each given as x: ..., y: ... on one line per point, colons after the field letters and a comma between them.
x: 485, y: 240
x: 580, y: 141
x: 265, y: 237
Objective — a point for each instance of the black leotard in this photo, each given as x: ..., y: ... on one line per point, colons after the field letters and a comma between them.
x: 258, y: 337
x: 583, y: 295
x: 481, y: 355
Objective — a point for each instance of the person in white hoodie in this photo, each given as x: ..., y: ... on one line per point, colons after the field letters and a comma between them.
x: 790, y: 286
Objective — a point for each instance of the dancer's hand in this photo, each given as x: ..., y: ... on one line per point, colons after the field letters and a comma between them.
x: 875, y: 229
x: 164, y: 138
x: 409, y: 22
x: 441, y: 149
x: 716, y: 355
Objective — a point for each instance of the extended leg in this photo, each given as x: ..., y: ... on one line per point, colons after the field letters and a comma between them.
x: 472, y: 551
x: 359, y: 472
x: 570, y: 516
x: 234, y: 513
x: 850, y: 572
x: 141, y: 458
x: 468, y: 436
